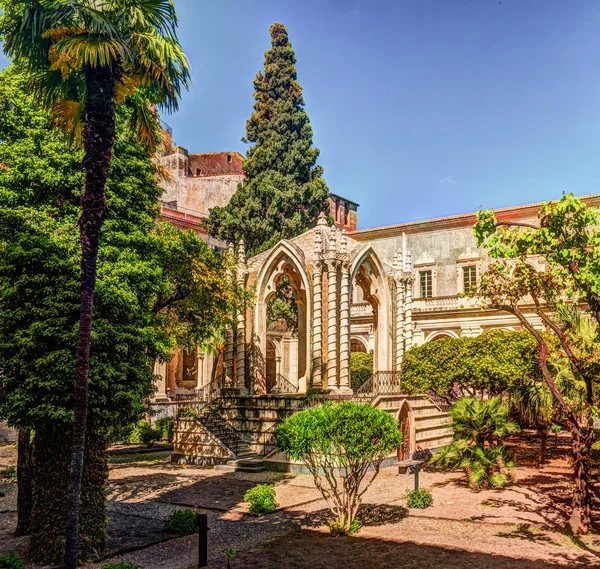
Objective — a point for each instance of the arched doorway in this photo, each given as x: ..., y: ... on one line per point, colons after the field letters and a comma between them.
x: 271, y: 366
x: 282, y: 325
x: 374, y: 309
x: 405, y: 423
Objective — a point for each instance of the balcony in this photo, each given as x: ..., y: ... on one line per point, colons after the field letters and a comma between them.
x: 444, y: 304
x: 361, y: 310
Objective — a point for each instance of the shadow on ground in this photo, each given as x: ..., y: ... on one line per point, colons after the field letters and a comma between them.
x: 314, y: 550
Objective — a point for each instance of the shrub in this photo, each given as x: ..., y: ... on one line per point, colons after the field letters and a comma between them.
x: 11, y: 560
x: 344, y: 441
x: 338, y: 529
x: 165, y: 426
x: 261, y: 499
x: 479, y: 427
x: 419, y: 499
x: 182, y: 522
x: 9, y: 472
x: 146, y: 434
x: 121, y: 565
x: 361, y: 368
x: 119, y: 434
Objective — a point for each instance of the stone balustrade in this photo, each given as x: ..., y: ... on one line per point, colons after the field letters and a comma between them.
x: 361, y: 309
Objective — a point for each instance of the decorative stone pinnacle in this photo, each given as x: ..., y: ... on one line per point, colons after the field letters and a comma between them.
x: 408, y: 266
x: 343, y: 242
x: 241, y: 252
x: 318, y: 240
x: 322, y: 220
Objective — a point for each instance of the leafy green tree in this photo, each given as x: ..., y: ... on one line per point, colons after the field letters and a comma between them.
x: 158, y: 288
x: 84, y: 57
x: 361, y: 368
x: 346, y: 442
x: 566, y: 237
x: 489, y: 363
x: 479, y: 427
x: 283, y: 191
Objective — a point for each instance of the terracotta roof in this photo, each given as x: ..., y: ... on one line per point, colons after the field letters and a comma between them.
x: 456, y: 220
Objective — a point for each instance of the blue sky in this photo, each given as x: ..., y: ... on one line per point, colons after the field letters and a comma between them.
x: 421, y: 108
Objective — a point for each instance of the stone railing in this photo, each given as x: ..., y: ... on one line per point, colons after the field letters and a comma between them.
x: 361, y: 309
x: 442, y: 303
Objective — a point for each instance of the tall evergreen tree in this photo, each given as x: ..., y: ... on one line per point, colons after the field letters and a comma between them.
x: 283, y: 191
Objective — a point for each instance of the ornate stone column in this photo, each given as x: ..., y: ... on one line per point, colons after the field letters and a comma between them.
x: 228, y: 358
x: 400, y: 294
x: 332, y: 331
x: 345, y: 327
x: 408, y: 325
x: 240, y: 345
x: 317, y: 345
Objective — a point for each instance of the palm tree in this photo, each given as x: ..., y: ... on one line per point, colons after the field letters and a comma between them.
x: 479, y: 426
x: 85, y: 56
x: 534, y: 404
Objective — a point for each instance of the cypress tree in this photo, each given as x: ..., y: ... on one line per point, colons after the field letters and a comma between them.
x: 283, y: 191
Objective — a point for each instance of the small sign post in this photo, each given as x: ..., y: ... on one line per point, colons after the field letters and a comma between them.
x: 202, y: 540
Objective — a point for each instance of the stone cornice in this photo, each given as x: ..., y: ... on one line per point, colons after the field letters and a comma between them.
x: 453, y: 221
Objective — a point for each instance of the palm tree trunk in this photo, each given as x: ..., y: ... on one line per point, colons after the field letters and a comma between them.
x: 98, y: 139
x: 24, y: 482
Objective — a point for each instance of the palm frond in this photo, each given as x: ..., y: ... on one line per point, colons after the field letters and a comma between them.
x: 68, y: 116
x: 162, y: 66
x: 143, y: 14
x: 145, y: 125
x: 92, y: 49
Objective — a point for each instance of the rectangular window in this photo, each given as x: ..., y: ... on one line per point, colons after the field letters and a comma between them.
x: 469, y: 278
x: 425, y: 284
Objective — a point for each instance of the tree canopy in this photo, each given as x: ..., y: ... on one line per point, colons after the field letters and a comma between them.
x: 283, y: 191
x: 566, y: 239
x: 490, y: 362
x: 158, y: 287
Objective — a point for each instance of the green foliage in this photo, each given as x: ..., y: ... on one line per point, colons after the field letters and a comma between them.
x: 147, y: 434
x: 491, y: 362
x: 64, y: 43
x: 182, y: 522
x: 158, y: 287
x: 485, y: 466
x: 261, y: 499
x: 337, y: 528
x: 165, y: 426
x: 11, y: 560
x: 9, y: 472
x: 555, y: 429
x: 479, y: 427
x: 121, y: 565
x: 284, y: 306
x: 420, y: 498
x: 283, y: 191
x: 345, y: 441
x: 361, y: 368
x: 482, y: 420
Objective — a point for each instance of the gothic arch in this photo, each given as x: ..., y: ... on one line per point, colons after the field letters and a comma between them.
x: 368, y: 272
x: 406, y: 424
x: 284, y: 258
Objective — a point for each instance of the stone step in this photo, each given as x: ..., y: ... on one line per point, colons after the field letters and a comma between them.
x: 241, y: 467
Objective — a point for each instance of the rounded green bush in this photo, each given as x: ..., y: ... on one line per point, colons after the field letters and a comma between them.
x: 182, y: 522
x: 261, y: 499
x: 11, y: 560
x: 419, y: 499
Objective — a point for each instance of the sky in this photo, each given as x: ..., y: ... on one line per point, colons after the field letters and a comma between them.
x: 421, y: 108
